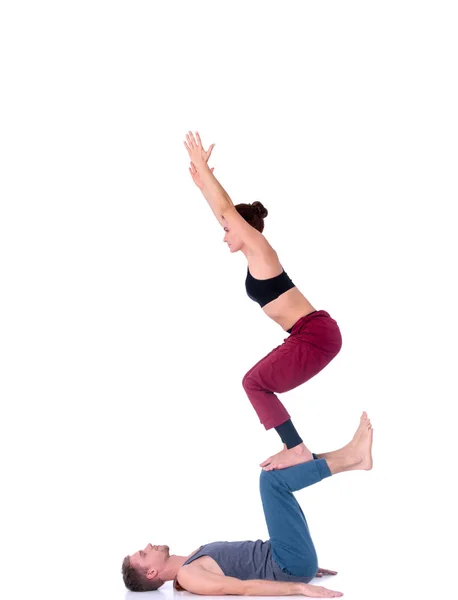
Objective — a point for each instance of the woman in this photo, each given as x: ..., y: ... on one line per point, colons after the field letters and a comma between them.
x: 314, y: 338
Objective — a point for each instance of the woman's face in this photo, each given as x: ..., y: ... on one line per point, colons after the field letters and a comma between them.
x: 233, y: 241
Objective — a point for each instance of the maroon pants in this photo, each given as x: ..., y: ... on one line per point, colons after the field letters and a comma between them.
x: 314, y: 341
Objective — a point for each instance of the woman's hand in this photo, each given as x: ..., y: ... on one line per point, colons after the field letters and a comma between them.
x: 195, y: 176
x: 199, y: 157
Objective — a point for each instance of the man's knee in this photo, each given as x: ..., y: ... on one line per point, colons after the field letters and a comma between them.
x: 270, y: 479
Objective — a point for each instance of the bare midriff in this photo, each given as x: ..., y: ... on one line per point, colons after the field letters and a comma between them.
x: 290, y: 306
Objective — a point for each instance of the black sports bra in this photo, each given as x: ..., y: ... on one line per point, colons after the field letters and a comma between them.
x: 264, y: 291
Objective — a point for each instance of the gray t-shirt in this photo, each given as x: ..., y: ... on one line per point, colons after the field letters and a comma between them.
x: 244, y: 560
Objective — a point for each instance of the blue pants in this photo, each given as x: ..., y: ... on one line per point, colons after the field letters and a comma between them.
x: 291, y: 543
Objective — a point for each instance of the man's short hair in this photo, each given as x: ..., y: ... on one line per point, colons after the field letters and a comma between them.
x: 135, y: 580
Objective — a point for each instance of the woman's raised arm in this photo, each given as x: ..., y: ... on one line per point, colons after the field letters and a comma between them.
x: 216, y: 196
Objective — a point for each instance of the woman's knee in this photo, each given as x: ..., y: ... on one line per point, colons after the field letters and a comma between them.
x: 248, y: 381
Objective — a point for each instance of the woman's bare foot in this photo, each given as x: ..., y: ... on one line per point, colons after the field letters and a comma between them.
x: 287, y: 458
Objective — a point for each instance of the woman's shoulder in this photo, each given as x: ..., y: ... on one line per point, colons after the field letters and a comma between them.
x: 264, y: 265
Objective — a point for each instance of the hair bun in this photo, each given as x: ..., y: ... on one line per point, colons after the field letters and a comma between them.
x: 259, y: 209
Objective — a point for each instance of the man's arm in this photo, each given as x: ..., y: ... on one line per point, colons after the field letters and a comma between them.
x: 198, y: 580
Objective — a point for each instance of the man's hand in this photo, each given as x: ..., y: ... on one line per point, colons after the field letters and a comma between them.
x: 322, y: 572
x: 316, y: 591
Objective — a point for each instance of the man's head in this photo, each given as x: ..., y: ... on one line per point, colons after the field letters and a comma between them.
x: 142, y: 571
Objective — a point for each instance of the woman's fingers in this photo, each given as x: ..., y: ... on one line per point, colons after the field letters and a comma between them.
x: 191, y: 140
x: 195, y: 150
x: 209, y: 152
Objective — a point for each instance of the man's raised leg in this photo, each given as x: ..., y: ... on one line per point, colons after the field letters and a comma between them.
x: 292, y: 545
x: 356, y: 455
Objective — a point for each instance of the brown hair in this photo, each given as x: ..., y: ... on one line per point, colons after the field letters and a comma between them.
x: 254, y: 214
x: 135, y: 580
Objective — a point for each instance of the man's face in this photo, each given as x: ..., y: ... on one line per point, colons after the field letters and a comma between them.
x: 151, y: 560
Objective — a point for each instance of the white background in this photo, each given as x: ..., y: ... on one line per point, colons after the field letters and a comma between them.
x: 125, y: 329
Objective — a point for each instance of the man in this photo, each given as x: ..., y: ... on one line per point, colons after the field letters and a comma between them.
x: 282, y: 566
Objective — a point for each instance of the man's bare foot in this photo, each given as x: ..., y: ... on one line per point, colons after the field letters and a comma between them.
x: 362, y: 442
x: 362, y: 424
x: 287, y: 458
x: 358, y: 453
